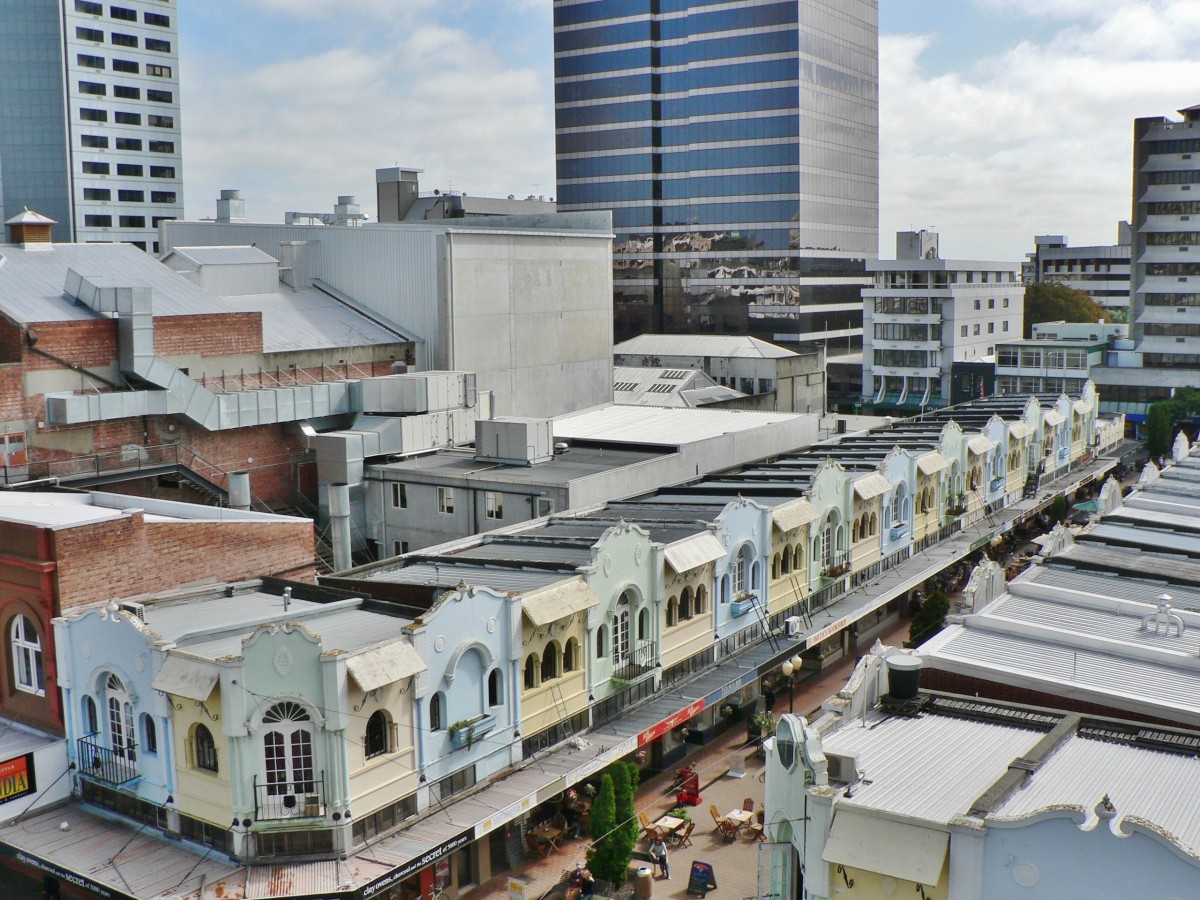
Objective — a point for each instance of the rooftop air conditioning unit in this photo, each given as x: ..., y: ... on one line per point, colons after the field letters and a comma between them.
x: 137, y: 609
x: 843, y: 767
x: 795, y: 626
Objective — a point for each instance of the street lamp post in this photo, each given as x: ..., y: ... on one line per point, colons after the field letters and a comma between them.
x: 789, y: 669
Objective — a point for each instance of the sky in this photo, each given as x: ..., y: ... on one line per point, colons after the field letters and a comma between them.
x: 999, y: 119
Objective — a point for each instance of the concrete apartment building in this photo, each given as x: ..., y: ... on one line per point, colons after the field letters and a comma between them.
x: 1058, y: 358
x: 772, y: 377
x: 924, y: 313
x: 1101, y: 272
x: 90, y: 117
x: 1163, y: 349
x: 737, y: 147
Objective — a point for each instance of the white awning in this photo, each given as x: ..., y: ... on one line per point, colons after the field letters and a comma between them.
x: 558, y: 602
x: 873, y: 485
x: 1054, y: 418
x: 904, y: 851
x: 980, y: 444
x: 1019, y: 429
x: 794, y: 514
x: 694, y: 551
x: 1082, y: 406
x: 384, y: 664
x: 932, y: 462
x: 186, y: 676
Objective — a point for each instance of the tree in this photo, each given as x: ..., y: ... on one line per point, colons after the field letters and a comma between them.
x: 625, y: 780
x: 603, y: 861
x: 929, y: 619
x: 1050, y: 302
x: 1163, y: 417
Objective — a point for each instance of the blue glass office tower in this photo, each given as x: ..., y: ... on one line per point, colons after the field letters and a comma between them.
x: 737, y: 145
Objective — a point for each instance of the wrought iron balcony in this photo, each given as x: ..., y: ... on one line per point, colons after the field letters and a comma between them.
x: 105, y: 764
x: 643, y: 657
x: 288, y: 800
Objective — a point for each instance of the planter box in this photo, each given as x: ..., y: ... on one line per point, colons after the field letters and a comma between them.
x: 479, y: 727
x: 741, y: 607
x: 997, y: 483
x: 897, y: 531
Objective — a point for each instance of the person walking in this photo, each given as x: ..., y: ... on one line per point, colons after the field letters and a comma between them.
x: 658, y: 853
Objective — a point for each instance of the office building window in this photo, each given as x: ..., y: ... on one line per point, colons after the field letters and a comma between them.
x: 127, y: 93
x: 976, y: 303
x: 976, y: 329
x: 129, y: 143
x: 963, y: 331
x: 95, y: 88
x: 399, y: 495
x: 88, y: 8
x: 98, y: 141
x: 445, y: 498
x: 93, y: 115
x: 126, y: 65
x: 90, y: 62
x: 98, y: 221
x: 124, y: 40
x: 159, y: 96
x: 133, y: 221
x: 95, y: 168
x: 160, y: 121
x: 493, y: 502
x: 89, y: 34
x: 399, y: 548
x: 162, y: 146
x: 97, y: 194
x: 130, y: 169
x: 120, y: 12
x: 157, y: 19
x: 991, y: 327
x: 157, y: 45
x: 158, y: 71
x: 131, y: 196
x: 128, y: 118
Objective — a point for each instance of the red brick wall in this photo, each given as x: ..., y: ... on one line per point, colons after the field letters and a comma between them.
x: 27, y: 588
x: 131, y: 556
x: 217, y: 334
x: 11, y: 338
x: 270, y: 453
x: 953, y: 683
x: 91, y: 343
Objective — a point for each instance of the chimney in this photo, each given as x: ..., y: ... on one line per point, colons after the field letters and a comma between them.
x: 30, y: 230
x: 231, y: 207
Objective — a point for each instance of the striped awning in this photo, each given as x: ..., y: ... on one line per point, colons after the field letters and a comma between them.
x: 874, y: 485
x: 980, y: 444
x: 558, y: 602
x: 385, y: 664
x: 187, y: 676
x: 794, y: 514
x: 932, y: 462
x: 1053, y: 417
x: 694, y: 551
x: 1019, y: 429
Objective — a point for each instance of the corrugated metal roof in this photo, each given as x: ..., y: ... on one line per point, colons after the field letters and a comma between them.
x: 651, y: 425
x: 232, y: 255
x: 930, y: 767
x: 310, y: 320
x: 718, y: 345
x: 1152, y: 786
x: 446, y: 574
x: 31, y: 281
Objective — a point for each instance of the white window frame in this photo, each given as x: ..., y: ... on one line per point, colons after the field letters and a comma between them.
x: 399, y: 495
x: 445, y: 499
x: 493, y: 504
x: 29, y: 674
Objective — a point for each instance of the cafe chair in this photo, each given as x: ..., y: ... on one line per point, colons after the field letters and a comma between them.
x: 685, y: 836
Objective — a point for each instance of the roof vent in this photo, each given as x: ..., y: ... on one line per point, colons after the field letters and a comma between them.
x: 1164, y: 617
x: 30, y: 230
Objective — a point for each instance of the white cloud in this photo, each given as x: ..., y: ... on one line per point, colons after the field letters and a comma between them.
x: 1033, y: 140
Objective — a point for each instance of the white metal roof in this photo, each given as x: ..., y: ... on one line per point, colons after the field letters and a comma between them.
x: 656, y: 425
x: 310, y: 320
x: 718, y: 345
x: 31, y: 281
x: 48, y: 510
x: 1152, y: 788
x: 233, y: 255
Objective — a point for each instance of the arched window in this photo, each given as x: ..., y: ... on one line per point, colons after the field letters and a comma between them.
x: 874, y: 523
x: 437, y: 711
x: 495, y: 688
x: 854, y: 533
x: 28, y: 675
x: 685, y: 604
x: 740, y: 565
x: 775, y: 570
x: 798, y: 557
x: 601, y: 642
x: 91, y: 716
x: 701, y: 599
x: 571, y: 655
x: 375, y: 742
x: 149, y: 734
x: 120, y: 720
x: 672, y: 612
x: 531, y: 671
x: 550, y: 662
x: 785, y: 562
x: 643, y: 620
x: 288, y: 749
x: 204, y: 749
x: 620, y: 631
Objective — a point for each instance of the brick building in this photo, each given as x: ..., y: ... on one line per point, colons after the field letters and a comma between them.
x: 59, y: 551
x: 114, y: 368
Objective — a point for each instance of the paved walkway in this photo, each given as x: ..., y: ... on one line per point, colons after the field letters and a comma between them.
x: 735, y: 864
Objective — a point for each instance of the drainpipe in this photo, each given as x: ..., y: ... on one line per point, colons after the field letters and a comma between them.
x: 339, y: 520
x: 239, y: 490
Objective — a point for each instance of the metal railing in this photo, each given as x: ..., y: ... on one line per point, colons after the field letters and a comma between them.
x: 105, y: 764
x: 643, y: 657
x: 284, y: 800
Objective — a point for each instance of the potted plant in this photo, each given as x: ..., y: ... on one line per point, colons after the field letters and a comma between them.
x: 464, y: 732
x: 761, y: 726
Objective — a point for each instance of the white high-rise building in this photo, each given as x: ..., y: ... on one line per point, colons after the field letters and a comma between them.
x: 89, y: 116
x: 923, y: 314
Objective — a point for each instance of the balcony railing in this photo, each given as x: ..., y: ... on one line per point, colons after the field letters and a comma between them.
x: 287, y: 800
x: 104, y: 764
x: 643, y: 657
